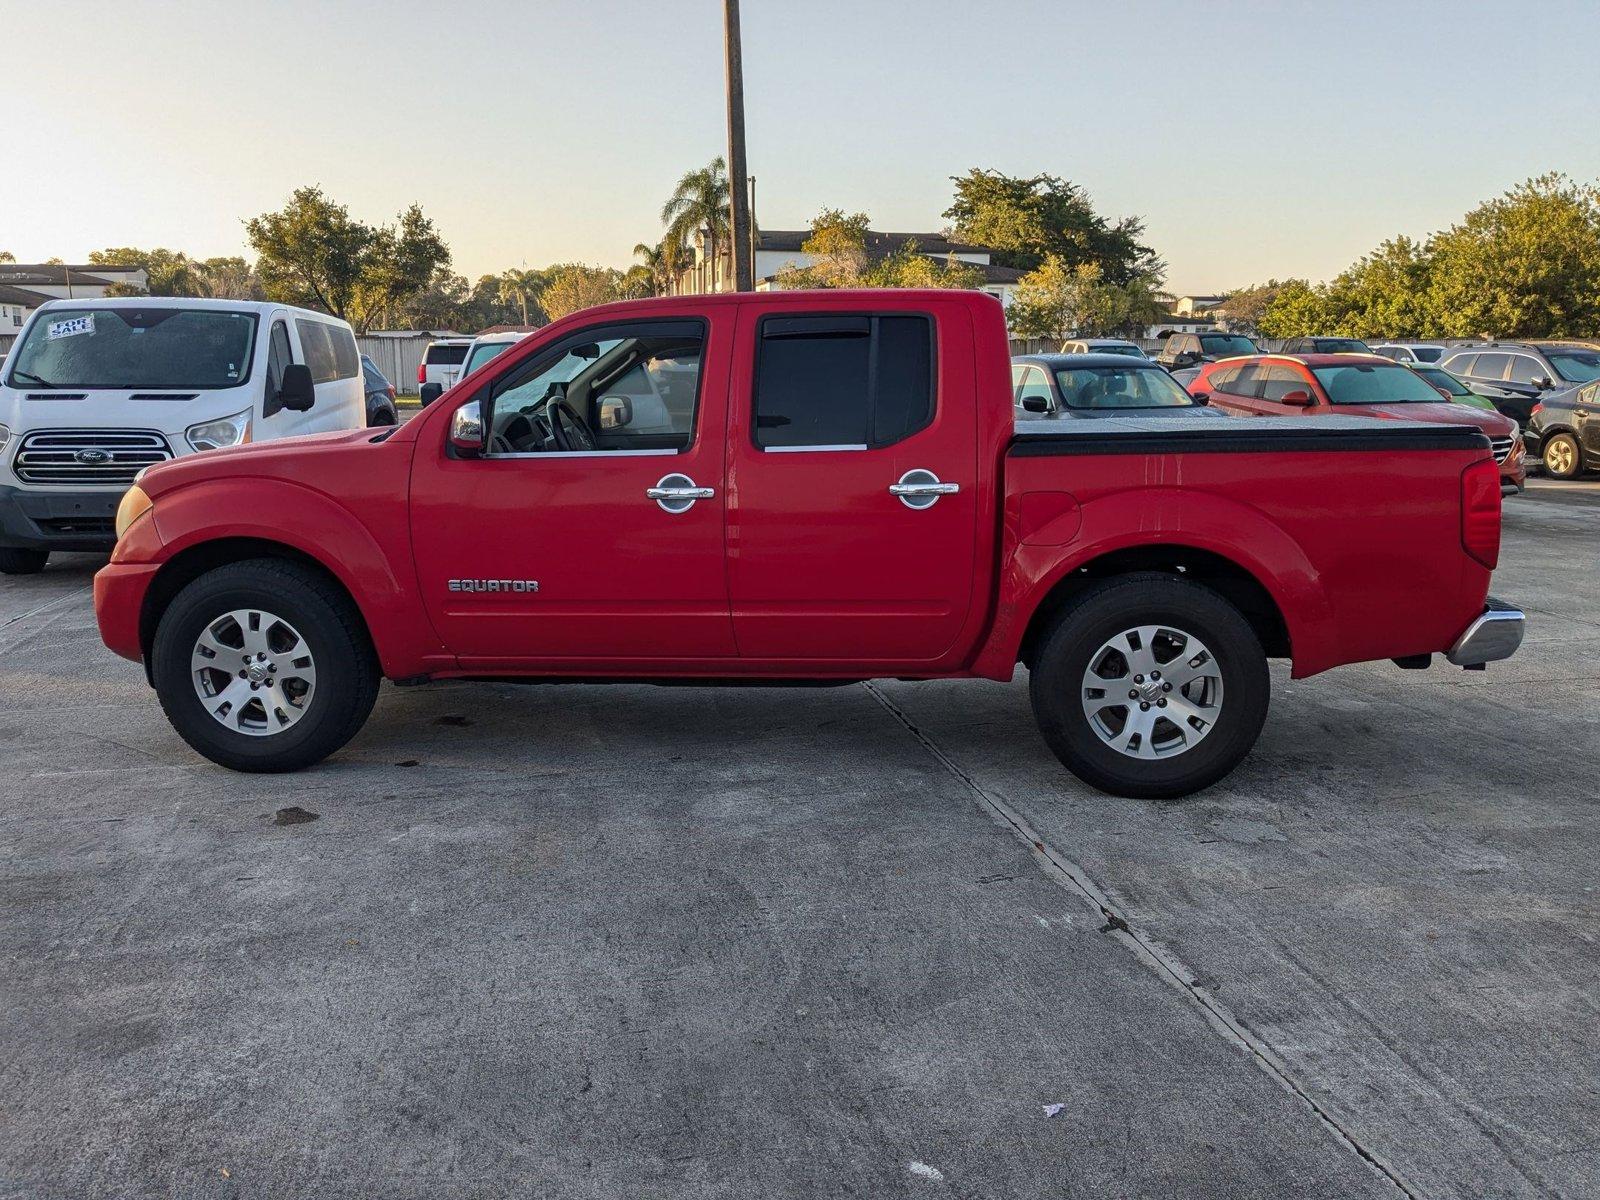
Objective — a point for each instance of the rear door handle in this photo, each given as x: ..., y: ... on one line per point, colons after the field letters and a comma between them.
x: 919, y: 488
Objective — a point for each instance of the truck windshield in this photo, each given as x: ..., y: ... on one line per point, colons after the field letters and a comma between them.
x: 1120, y: 387
x: 154, y: 348
x: 1227, y: 345
x: 1375, y: 383
x: 1575, y: 366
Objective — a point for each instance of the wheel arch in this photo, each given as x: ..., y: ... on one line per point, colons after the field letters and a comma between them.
x: 1232, y: 581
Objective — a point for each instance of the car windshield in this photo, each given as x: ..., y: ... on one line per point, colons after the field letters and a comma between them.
x: 1440, y: 378
x: 1340, y: 346
x: 1431, y: 354
x: 1575, y: 366
x: 1228, y: 345
x: 1120, y: 387
x: 1128, y: 350
x: 1375, y: 383
x: 154, y: 348
x: 482, y: 353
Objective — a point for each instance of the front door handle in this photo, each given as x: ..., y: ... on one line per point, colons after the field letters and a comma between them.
x: 919, y: 489
x: 677, y: 493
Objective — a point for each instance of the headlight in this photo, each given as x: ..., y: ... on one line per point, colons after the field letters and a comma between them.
x: 134, y: 505
x: 225, y: 431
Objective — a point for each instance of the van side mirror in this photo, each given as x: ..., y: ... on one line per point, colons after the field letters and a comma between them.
x: 466, y: 430
x: 431, y: 392
x: 1035, y: 404
x: 296, y: 392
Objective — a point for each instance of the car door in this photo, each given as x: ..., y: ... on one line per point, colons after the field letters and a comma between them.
x: 590, y: 558
x: 1234, y: 388
x: 854, y: 490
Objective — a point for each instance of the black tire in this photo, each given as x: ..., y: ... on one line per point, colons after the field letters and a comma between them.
x: 347, y: 671
x: 1079, y: 634
x: 1568, y: 455
x: 15, y: 561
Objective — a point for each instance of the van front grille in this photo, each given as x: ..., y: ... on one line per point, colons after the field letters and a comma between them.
x: 88, y: 457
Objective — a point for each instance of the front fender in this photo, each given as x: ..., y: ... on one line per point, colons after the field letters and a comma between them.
x: 1178, y: 517
x: 320, y: 528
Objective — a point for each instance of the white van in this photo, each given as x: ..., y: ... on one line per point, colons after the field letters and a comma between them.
x: 95, y: 390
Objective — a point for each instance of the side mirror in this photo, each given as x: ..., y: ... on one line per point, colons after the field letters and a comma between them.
x: 1200, y: 397
x: 431, y: 392
x: 1298, y: 396
x: 615, y: 412
x: 1445, y: 392
x: 1545, y: 384
x: 296, y: 392
x: 1035, y: 404
x: 466, y: 430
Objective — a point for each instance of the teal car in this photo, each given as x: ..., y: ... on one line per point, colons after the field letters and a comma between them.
x: 1453, y: 386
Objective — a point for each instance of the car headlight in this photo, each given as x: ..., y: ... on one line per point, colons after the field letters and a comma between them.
x: 218, y: 434
x: 134, y: 505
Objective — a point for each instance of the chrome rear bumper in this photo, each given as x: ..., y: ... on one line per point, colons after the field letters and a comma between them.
x: 1493, y: 636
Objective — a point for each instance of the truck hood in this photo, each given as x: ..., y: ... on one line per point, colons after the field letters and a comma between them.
x: 281, y: 457
x: 1443, y: 413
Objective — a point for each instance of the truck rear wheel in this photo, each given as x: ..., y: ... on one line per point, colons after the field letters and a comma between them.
x: 15, y: 561
x: 1150, y: 686
x: 264, y: 665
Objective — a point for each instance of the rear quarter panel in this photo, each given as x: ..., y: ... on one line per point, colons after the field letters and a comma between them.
x: 1360, y: 550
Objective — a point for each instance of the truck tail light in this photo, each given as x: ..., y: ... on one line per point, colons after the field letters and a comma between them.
x: 1480, y: 512
x: 422, y: 372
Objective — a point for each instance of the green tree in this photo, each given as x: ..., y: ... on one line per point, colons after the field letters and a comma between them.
x: 7, y: 256
x: 1245, y: 307
x: 699, y: 202
x: 226, y: 278
x: 1383, y: 295
x: 661, y: 263
x: 520, y: 286
x: 313, y: 253
x: 574, y: 286
x: 1295, y: 311
x: 170, y: 272
x: 838, y: 243
x: 1526, y: 264
x: 1025, y: 221
x: 908, y: 267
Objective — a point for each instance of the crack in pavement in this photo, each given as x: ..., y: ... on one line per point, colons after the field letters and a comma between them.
x: 1071, y: 877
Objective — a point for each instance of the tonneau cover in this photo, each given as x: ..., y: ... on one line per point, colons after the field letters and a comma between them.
x: 1280, y: 435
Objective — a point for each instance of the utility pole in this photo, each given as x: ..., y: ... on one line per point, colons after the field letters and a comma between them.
x: 738, y: 200
x: 752, y: 231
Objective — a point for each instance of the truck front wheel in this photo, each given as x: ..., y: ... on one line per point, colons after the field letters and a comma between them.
x: 264, y: 665
x: 15, y: 561
x: 1150, y: 686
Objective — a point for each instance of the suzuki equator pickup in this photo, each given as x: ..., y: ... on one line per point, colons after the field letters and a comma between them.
x: 797, y: 487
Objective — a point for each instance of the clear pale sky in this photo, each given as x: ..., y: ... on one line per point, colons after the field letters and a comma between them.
x: 1257, y: 139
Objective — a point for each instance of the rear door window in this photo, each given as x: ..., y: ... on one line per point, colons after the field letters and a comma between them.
x: 445, y: 354
x: 1278, y: 381
x: 330, y: 350
x: 846, y: 382
x: 1491, y: 366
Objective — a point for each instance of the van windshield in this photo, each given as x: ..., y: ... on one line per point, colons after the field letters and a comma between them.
x: 155, y: 348
x: 482, y: 352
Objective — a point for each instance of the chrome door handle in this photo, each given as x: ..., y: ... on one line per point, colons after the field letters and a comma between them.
x: 677, y: 493
x: 919, y: 489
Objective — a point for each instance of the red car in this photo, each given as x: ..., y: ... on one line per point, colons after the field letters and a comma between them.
x: 801, y: 487
x: 1366, y: 385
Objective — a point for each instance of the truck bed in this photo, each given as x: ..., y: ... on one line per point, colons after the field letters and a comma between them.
x: 1197, y: 435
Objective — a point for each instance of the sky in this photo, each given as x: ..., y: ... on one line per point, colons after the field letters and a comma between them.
x: 1255, y: 139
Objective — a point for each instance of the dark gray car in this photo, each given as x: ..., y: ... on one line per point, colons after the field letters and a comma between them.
x: 1191, y: 350
x: 1527, y: 372
x: 1067, y: 386
x: 381, y: 408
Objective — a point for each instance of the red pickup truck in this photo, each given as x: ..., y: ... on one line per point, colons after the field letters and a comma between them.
x: 802, y: 487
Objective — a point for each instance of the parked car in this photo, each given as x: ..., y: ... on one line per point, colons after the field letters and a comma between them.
x: 1565, y: 432
x: 441, y: 365
x: 1411, y: 352
x: 381, y: 405
x: 95, y: 390
x: 1527, y: 371
x: 1458, y: 391
x: 842, y: 494
x: 1050, y: 386
x: 1368, y: 386
x: 1325, y: 345
x: 479, y: 351
x: 1104, y: 346
x: 1182, y: 350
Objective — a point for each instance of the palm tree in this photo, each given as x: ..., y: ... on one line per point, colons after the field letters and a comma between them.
x: 517, y: 286
x: 699, y: 202
x: 661, y: 262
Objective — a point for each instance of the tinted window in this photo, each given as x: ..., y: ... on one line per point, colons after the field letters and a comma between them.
x: 1227, y: 345
x: 1575, y: 366
x: 1461, y: 364
x: 1120, y: 387
x: 1279, y: 381
x: 1221, y: 379
x: 1428, y: 354
x: 1245, y: 382
x: 1491, y: 366
x: 632, y: 387
x: 842, y: 381
x: 330, y: 350
x: 447, y: 354
x: 1443, y: 379
x: 278, y: 356
x: 1525, y: 369
x: 1372, y: 383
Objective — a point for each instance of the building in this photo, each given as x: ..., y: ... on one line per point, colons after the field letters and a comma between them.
x: 779, y: 249
x: 72, y: 281
x: 1201, y: 307
x: 16, y: 306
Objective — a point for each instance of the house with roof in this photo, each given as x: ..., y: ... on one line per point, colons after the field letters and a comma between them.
x: 780, y: 249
